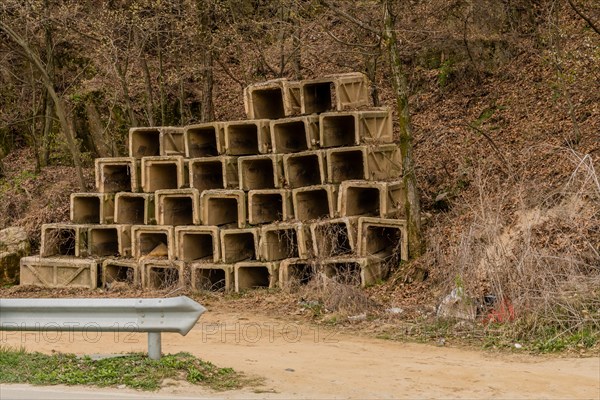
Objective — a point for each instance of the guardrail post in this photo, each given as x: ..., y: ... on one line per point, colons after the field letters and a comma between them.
x: 154, y: 345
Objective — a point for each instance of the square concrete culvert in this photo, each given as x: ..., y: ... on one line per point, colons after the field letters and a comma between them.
x: 172, y: 141
x: 152, y: 241
x: 382, y: 238
x: 335, y: 92
x: 368, y: 198
x: 307, y: 168
x: 380, y: 162
x: 247, y: 137
x: 177, y: 207
x: 294, y: 273
x: 92, y: 208
x: 163, y: 173
x: 351, y: 128
x: 135, y: 209
x: 115, y: 272
x: 355, y: 271
x: 239, y: 244
x: 260, y: 172
x: 255, y: 275
x: 315, y: 202
x: 64, y: 240
x: 163, y: 274
x: 60, y: 272
x: 198, y: 243
x: 117, y: 174
x: 285, y: 240
x: 204, y: 140
x: 335, y: 237
x: 214, y: 173
x: 291, y: 135
x: 272, y: 99
x: 223, y: 207
x: 269, y: 205
x: 144, y: 142
x: 212, y: 277
x: 109, y: 241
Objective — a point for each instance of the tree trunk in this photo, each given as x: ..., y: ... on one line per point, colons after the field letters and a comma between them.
x: 207, y: 112
x: 125, y: 88
x: 400, y: 86
x: 147, y: 81
x: 97, y: 131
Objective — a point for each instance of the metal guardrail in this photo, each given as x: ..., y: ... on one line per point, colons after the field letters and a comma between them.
x: 154, y: 316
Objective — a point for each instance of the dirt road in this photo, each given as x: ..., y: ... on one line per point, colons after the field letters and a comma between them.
x: 300, y: 361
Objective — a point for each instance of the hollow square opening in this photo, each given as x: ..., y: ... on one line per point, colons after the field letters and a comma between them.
x: 178, y: 210
x: 383, y: 241
x: 197, y: 246
x: 222, y: 210
x: 162, y: 176
x: 145, y: 143
x: 280, y: 244
x: 211, y: 279
x: 242, y: 139
x: 207, y: 175
x: 253, y: 277
x: 150, y: 241
x: 332, y: 239
x: 86, y: 210
x: 318, y: 97
x: 338, y: 130
x: 300, y: 274
x: 312, y: 204
x: 347, y: 273
x: 268, y: 103
x: 60, y: 242
x: 239, y: 246
x: 130, y: 210
x: 104, y: 242
x: 362, y: 201
x: 163, y: 277
x: 304, y: 171
x: 119, y: 273
x: 290, y: 137
x: 202, y: 141
x: 116, y: 178
x: 258, y: 174
x: 266, y: 207
x: 346, y: 165
x: 172, y: 142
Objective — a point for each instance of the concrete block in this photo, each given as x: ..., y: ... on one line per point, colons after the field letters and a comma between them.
x: 204, y: 140
x: 315, y: 202
x: 260, y: 172
x: 134, y: 208
x: 294, y: 272
x: 304, y: 169
x: 335, y: 92
x: 117, y: 174
x: 152, y: 241
x: 198, y: 243
x: 255, y: 274
x: 285, y: 240
x: 163, y: 274
x: 212, y: 277
x: 92, y: 208
x: 354, y: 127
x: 363, y: 162
x: 116, y: 271
x: 172, y: 141
x: 156, y: 141
x: 247, y: 137
x: 335, y: 237
x: 64, y: 240
x: 239, y: 244
x: 269, y: 205
x: 177, y: 207
x: 272, y: 99
x: 291, y: 135
x: 371, y: 198
x: 214, y: 173
x: 163, y: 173
x: 355, y: 271
x: 223, y: 207
x: 60, y: 272
x: 109, y: 240
x: 382, y: 238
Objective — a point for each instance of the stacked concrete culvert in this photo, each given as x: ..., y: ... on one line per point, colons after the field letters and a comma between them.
x: 309, y: 185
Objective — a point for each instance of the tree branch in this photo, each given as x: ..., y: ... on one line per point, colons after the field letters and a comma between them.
x: 584, y: 17
x: 352, y: 19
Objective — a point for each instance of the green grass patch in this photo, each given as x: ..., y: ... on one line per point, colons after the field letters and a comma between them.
x: 134, y: 370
